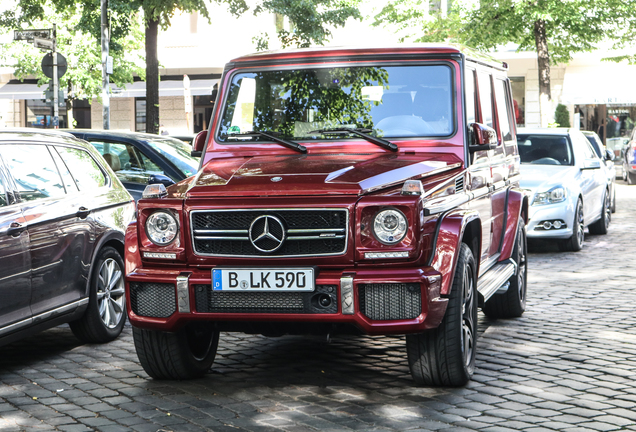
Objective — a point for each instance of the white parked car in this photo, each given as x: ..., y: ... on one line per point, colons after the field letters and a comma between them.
x: 568, y: 185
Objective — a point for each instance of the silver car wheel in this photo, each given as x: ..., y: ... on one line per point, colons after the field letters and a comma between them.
x: 468, y: 317
x: 580, y: 222
x: 110, y: 293
x: 608, y: 210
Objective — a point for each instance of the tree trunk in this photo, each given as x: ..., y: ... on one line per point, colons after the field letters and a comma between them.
x: 152, y: 76
x: 70, y: 121
x: 543, y: 58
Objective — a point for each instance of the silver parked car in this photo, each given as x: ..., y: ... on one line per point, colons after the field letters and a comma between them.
x: 607, y: 156
x: 568, y: 184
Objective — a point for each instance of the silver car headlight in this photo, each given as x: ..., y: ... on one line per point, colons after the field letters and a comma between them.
x: 162, y: 228
x: 555, y: 195
x: 389, y: 226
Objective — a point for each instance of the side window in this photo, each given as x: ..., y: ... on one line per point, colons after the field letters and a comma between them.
x: 116, y: 155
x: 485, y: 98
x: 124, y: 157
x: 147, y: 164
x: 503, y: 114
x: 471, y: 115
x: 589, y: 152
x: 67, y: 178
x: 84, y: 169
x: 34, y: 171
x: 3, y: 193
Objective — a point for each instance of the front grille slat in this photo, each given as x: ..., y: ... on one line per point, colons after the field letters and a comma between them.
x: 307, y: 231
x: 390, y: 301
x: 210, y: 301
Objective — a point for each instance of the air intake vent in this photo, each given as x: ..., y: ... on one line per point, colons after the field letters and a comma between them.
x: 322, y: 301
x: 459, y: 184
x: 153, y: 299
x: 390, y: 301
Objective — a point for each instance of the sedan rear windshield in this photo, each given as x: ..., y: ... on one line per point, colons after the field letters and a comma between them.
x: 545, y: 149
x: 391, y: 101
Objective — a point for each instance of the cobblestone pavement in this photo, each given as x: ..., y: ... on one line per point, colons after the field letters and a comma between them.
x: 568, y: 364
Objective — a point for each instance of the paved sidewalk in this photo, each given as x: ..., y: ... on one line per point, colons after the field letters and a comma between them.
x: 568, y: 364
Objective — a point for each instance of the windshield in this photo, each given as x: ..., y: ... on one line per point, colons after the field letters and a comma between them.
x: 545, y: 149
x: 178, y: 153
x: 392, y: 101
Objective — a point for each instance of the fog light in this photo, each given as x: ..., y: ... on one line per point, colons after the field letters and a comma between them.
x: 547, y: 225
x: 557, y: 224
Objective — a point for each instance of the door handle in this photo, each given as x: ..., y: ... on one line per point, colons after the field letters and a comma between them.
x: 82, y: 212
x: 15, y: 229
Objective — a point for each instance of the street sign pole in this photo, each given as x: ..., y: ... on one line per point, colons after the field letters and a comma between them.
x: 105, y: 80
x: 56, y: 108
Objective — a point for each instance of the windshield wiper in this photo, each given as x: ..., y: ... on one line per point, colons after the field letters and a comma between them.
x: 362, y: 133
x: 272, y: 136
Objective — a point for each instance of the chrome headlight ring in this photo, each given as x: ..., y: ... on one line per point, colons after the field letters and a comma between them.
x: 162, y: 227
x: 389, y: 226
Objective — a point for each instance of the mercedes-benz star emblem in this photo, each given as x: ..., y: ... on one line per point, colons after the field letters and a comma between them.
x: 267, y: 233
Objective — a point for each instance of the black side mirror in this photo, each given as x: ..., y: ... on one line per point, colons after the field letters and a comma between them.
x: 481, y: 137
x: 160, y: 178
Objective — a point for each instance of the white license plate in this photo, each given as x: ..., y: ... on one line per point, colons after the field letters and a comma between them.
x: 263, y: 279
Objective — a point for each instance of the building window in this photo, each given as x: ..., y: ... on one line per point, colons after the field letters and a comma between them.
x: 518, y: 85
x: 82, y: 113
x: 203, y: 106
x: 40, y: 115
x: 140, y: 114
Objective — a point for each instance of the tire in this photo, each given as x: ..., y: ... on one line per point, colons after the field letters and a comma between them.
x: 512, y: 303
x: 445, y: 356
x: 186, y: 354
x: 631, y: 178
x: 601, y: 226
x: 613, y: 209
x: 106, y: 313
x: 575, y: 243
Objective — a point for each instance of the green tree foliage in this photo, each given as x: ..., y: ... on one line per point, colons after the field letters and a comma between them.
x: 555, y: 29
x: 562, y: 116
x: 83, y: 78
x: 309, y: 19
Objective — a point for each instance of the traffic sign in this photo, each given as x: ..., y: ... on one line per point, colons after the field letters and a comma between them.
x: 47, y: 65
x: 29, y: 34
x: 43, y: 43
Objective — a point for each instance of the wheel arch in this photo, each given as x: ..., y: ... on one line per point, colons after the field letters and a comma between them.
x: 114, y: 239
x: 518, y: 207
x: 457, y: 227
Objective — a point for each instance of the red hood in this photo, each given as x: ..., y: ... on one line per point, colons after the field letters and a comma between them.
x: 288, y: 175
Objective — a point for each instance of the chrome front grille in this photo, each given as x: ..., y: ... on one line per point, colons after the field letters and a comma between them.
x: 294, y: 232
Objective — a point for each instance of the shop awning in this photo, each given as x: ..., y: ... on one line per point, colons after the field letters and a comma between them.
x: 22, y: 91
x: 166, y: 88
x: 603, y: 84
x: 136, y: 89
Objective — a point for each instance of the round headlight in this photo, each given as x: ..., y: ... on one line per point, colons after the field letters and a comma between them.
x: 389, y: 226
x: 161, y: 228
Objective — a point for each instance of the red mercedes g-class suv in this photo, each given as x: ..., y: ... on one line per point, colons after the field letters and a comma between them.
x: 340, y: 190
